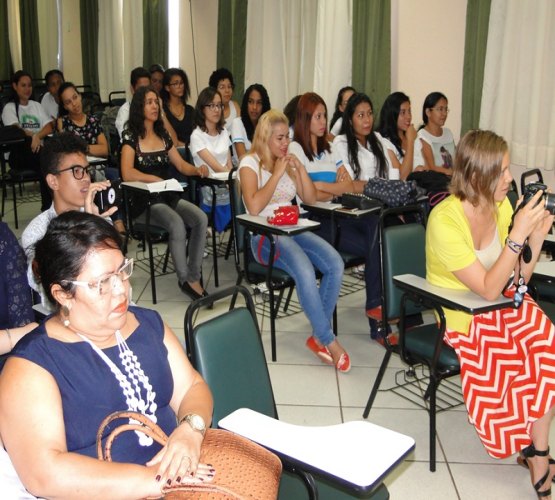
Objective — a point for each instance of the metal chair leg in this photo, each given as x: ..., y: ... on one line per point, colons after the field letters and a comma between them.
x: 377, y: 383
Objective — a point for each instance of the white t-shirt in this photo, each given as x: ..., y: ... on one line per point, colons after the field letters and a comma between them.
x: 217, y: 146
x: 321, y: 168
x: 336, y: 129
x: 443, y: 148
x: 123, y: 116
x: 239, y: 134
x: 50, y: 105
x: 232, y: 115
x: 366, y: 159
x: 285, y: 189
x: 32, y: 116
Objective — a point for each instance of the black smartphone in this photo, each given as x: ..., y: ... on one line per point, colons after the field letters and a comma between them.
x: 108, y: 198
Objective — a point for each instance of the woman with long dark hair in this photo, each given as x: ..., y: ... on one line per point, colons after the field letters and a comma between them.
x: 336, y: 121
x: 146, y: 155
x: 255, y: 103
x: 175, y: 94
x: 398, y: 132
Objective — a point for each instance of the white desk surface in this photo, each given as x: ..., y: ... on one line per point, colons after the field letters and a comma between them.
x: 545, y: 269
x: 337, y: 207
x: 358, y: 453
x: 466, y: 299
x: 222, y: 176
x: 550, y: 238
x: 262, y: 221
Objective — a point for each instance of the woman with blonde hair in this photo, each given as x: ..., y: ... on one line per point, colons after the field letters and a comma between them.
x: 271, y: 177
x: 475, y: 242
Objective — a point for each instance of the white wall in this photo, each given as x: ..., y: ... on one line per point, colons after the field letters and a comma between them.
x: 427, y: 42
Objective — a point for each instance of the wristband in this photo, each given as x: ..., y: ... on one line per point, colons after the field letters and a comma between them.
x: 513, y: 245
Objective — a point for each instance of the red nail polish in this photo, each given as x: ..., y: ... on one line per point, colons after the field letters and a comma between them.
x: 158, y: 477
x: 168, y: 482
x: 178, y: 479
x: 201, y: 478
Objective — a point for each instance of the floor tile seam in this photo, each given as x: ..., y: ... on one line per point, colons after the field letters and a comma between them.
x: 440, y: 444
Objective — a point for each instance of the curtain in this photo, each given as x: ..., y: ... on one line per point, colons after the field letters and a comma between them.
x: 30, y: 47
x: 6, y: 67
x: 155, y: 29
x: 89, y: 42
x: 333, y: 49
x: 476, y: 38
x: 372, y: 49
x: 283, y: 56
x: 14, y: 33
x: 132, y: 36
x: 518, y: 98
x: 110, y: 48
x: 232, y: 39
x: 48, y: 34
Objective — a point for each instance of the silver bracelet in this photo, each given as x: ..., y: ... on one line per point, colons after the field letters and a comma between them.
x: 9, y: 338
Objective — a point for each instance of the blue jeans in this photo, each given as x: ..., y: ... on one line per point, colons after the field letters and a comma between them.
x: 299, y: 256
x: 360, y: 237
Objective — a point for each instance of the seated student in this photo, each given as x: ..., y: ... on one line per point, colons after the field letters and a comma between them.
x: 255, y: 103
x: 337, y: 119
x: 363, y: 155
x: 146, y: 155
x: 140, y: 77
x: 398, y: 133
x: 437, y: 146
x: 23, y: 112
x: 53, y: 78
x: 73, y: 119
x: 290, y: 111
x: 271, y: 177
x: 210, y: 146
x: 156, y: 77
x: 97, y: 355
x: 175, y: 93
x: 222, y: 81
x: 16, y: 307
x: 475, y: 242
x: 66, y: 170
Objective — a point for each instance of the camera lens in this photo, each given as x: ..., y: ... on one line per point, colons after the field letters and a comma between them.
x: 550, y: 202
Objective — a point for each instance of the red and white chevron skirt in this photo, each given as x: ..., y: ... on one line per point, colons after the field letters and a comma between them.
x: 508, y: 374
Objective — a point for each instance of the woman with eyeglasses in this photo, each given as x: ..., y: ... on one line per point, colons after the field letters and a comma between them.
x: 96, y: 355
x: 398, y: 133
x: 507, y: 357
x: 271, y: 177
x: 222, y: 81
x: 146, y: 155
x: 210, y: 144
x: 175, y: 93
x: 435, y: 147
x: 73, y: 119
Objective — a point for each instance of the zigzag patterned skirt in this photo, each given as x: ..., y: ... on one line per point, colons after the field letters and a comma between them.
x: 508, y: 374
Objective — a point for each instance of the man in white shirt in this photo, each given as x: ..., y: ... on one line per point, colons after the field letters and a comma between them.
x: 140, y: 77
x: 53, y: 78
x: 68, y: 175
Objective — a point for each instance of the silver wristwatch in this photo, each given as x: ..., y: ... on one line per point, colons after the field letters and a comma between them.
x: 195, y: 421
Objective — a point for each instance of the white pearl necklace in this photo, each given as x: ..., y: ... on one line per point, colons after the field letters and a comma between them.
x: 131, y: 389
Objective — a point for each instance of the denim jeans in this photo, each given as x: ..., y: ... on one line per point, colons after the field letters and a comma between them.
x: 299, y: 256
x: 186, y: 215
x: 360, y: 237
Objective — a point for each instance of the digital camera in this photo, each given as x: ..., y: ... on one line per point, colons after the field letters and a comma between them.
x: 548, y: 198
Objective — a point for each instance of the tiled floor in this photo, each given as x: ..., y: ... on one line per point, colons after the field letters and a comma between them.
x: 310, y: 393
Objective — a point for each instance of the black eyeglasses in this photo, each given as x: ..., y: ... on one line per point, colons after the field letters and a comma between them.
x: 79, y: 171
x: 214, y: 106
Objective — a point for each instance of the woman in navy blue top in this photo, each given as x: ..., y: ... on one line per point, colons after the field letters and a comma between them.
x: 96, y: 355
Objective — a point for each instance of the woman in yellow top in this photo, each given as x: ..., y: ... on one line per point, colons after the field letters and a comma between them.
x: 507, y: 357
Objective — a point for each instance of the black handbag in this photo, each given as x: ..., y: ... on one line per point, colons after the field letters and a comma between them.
x: 393, y: 193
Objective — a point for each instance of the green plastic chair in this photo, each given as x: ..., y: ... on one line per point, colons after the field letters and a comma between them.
x: 227, y: 351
